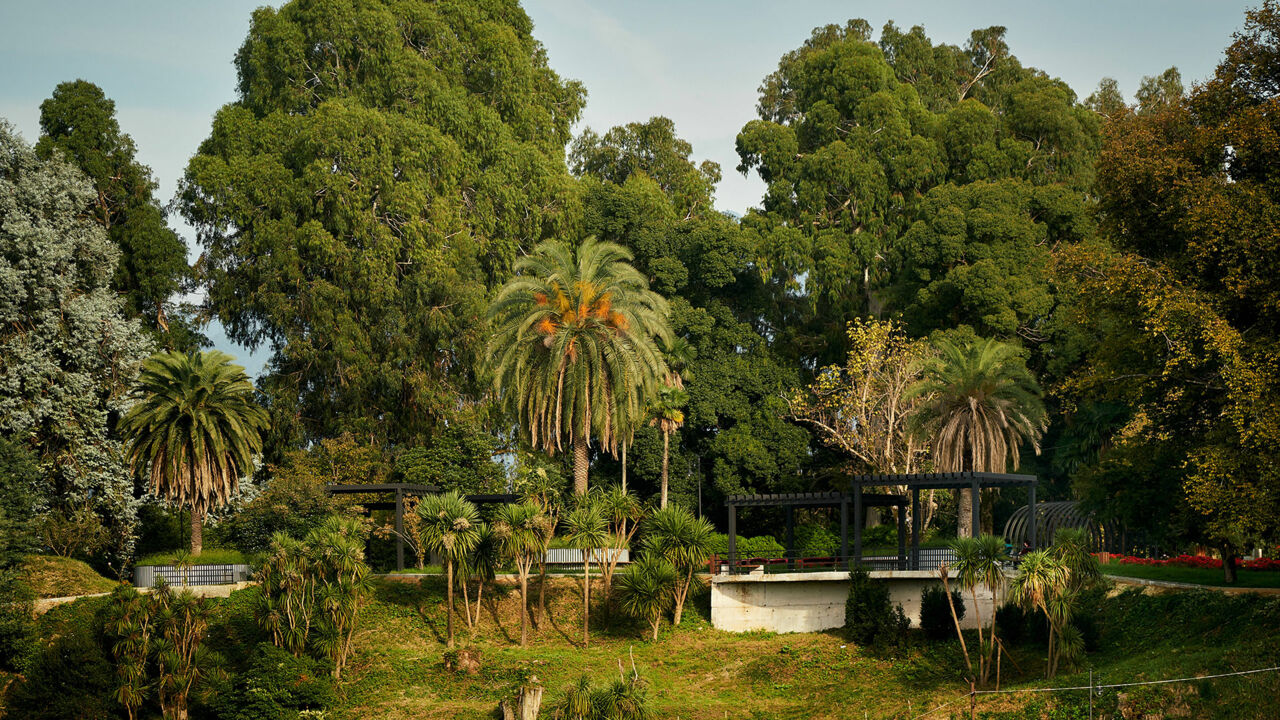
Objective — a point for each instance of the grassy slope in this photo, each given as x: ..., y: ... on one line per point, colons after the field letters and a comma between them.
x: 51, y: 576
x: 1195, y: 576
x: 696, y: 672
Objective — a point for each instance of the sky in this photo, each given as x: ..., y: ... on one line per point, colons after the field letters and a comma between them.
x: 168, y: 63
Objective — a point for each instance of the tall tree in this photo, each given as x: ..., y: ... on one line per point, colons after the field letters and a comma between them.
x: 667, y: 414
x: 196, y: 431
x: 980, y: 405
x: 80, y: 121
x: 68, y: 355
x: 574, y: 346
x: 379, y: 171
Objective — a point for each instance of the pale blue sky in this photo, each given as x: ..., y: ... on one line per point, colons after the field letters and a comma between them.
x: 168, y: 63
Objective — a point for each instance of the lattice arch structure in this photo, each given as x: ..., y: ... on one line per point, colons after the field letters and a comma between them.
x: 1054, y: 516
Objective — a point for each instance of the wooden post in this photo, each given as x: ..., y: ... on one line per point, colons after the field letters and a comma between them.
x: 399, y: 529
x: 915, y: 528
x: 733, y: 537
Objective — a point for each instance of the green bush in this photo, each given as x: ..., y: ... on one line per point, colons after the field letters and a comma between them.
x: 292, y: 503
x: 210, y: 556
x: 17, y: 631
x: 935, y: 613
x: 880, y: 536
x: 1013, y: 624
x: 71, y: 678
x: 277, y: 686
x: 763, y: 546
x: 870, y: 617
x: 817, y: 539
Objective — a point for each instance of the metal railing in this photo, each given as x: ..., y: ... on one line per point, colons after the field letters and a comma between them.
x: 573, y: 556
x: 928, y: 558
x: 146, y: 575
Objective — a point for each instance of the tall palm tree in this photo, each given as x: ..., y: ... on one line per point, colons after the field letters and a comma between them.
x: 981, y: 404
x: 523, y: 531
x: 573, y: 346
x: 667, y: 412
x: 587, y: 529
x: 451, y: 528
x: 196, y: 431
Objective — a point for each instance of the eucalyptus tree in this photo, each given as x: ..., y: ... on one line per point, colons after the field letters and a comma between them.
x: 451, y: 528
x: 587, y: 528
x: 980, y: 404
x: 683, y: 540
x: 574, y: 346
x: 377, y: 172
x: 522, y: 531
x: 196, y: 431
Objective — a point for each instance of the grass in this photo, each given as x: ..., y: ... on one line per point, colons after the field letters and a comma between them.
x: 1195, y: 576
x: 210, y: 556
x: 695, y: 672
x: 52, y: 576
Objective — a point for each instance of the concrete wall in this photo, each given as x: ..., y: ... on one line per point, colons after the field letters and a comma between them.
x: 810, y: 602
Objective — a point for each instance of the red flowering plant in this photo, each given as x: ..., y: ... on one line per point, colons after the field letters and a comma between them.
x: 1196, y: 561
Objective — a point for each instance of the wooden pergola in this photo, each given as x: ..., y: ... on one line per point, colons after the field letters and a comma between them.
x: 861, y: 499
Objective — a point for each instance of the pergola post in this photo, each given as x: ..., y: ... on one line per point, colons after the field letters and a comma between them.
x: 902, y: 538
x: 844, y: 529
x: 915, y: 528
x: 976, y: 528
x: 733, y: 536
x: 1031, y: 513
x: 857, y: 523
x: 791, y: 536
x: 399, y: 529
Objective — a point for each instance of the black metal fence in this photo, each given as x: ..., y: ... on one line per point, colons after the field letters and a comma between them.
x: 146, y: 575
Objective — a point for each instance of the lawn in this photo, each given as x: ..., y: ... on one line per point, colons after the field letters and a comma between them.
x: 52, y: 576
x: 1194, y: 576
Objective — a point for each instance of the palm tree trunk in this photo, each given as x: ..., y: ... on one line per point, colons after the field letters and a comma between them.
x: 946, y: 588
x: 466, y: 602
x: 586, y: 597
x: 197, y: 531
x: 581, y: 461
x: 666, y: 456
x: 542, y: 588
x: 449, y: 585
x: 624, y: 490
x: 964, y: 518
x: 524, y: 609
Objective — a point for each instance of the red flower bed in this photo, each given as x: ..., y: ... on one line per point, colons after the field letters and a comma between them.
x: 1197, y: 561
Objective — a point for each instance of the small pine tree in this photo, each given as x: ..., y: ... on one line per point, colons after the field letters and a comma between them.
x: 935, y: 614
x: 870, y: 617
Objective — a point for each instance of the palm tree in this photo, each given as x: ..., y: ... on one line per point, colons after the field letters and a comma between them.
x: 647, y: 590
x: 481, y: 564
x: 685, y: 541
x: 980, y: 561
x: 981, y: 404
x: 574, y: 346
x: 667, y: 412
x: 196, y: 431
x: 523, y: 531
x: 451, y: 529
x: 587, y: 529
x: 623, y: 512
x: 1042, y: 583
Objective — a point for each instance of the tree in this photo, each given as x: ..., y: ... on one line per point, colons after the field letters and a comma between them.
x: 523, y: 531
x: 646, y: 590
x: 980, y: 561
x: 586, y: 528
x: 574, y: 346
x: 457, y: 457
x: 68, y: 356
x: 195, y: 432
x: 1051, y: 581
x: 451, y: 528
x: 980, y: 404
x: 683, y: 540
x: 667, y: 413
x: 623, y: 514
x: 79, y: 121
x: 378, y: 172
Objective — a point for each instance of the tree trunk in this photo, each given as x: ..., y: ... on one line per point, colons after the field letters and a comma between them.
x: 964, y: 518
x: 586, y: 596
x: 197, y: 531
x: 581, y: 461
x: 524, y: 609
x: 682, y: 594
x: 1228, y: 564
x: 449, y: 585
x: 542, y: 588
x: 666, y: 455
x: 946, y: 588
x: 524, y: 706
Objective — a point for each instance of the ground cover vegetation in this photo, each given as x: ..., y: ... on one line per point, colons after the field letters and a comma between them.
x: 957, y: 264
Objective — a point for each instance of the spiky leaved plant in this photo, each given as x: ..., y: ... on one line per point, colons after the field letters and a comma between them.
x: 451, y: 529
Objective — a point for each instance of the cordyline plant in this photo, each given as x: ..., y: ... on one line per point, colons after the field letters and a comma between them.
x: 623, y: 513
x: 647, y: 590
x: 522, y: 531
x: 586, y: 528
x: 980, y: 561
x: 451, y: 529
x: 313, y: 590
x: 683, y: 540
x: 129, y: 627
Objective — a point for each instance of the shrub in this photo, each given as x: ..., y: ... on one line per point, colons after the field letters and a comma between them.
x: 1012, y: 622
x: 17, y: 631
x: 870, y: 617
x: 293, y: 503
x: 70, y: 679
x: 622, y: 699
x: 935, y: 613
x: 763, y: 546
x: 817, y: 539
x: 74, y: 531
x: 880, y: 536
x: 277, y: 686
x: 646, y: 590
